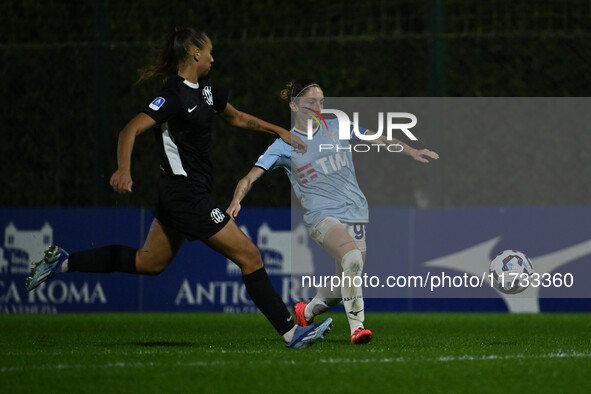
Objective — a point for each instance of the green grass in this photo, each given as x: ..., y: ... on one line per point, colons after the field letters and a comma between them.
x: 217, y: 353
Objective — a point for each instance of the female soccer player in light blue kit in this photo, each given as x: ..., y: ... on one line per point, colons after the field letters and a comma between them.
x: 336, y: 211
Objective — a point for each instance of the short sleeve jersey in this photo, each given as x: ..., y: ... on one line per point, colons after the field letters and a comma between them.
x: 324, y: 181
x: 184, y: 111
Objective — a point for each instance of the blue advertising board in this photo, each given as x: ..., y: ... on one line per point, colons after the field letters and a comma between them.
x: 401, y: 241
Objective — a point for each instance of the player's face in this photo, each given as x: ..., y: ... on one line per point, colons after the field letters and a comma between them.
x: 312, y: 99
x: 205, y: 59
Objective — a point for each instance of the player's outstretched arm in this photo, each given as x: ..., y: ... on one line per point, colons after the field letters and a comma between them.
x: 242, y: 189
x: 121, y: 180
x: 420, y: 155
x: 246, y: 121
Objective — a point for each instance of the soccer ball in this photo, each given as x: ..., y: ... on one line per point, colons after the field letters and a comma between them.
x: 511, y: 271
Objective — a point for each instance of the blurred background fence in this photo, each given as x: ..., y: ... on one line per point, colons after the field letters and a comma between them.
x: 68, y: 71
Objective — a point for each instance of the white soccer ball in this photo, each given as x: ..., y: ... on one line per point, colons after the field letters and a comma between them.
x: 511, y: 271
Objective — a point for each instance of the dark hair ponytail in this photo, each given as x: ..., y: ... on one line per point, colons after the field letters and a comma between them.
x: 176, y: 48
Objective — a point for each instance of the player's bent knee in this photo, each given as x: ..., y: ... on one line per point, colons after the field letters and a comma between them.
x: 249, y: 258
x: 147, y: 265
x: 352, y: 262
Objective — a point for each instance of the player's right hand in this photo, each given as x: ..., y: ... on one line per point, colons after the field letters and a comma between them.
x: 121, y: 181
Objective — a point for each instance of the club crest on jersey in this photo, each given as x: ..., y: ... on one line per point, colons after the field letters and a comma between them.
x: 157, y: 103
x: 208, y: 95
x: 216, y: 215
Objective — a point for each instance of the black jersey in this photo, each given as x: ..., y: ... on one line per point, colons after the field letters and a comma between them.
x: 184, y: 111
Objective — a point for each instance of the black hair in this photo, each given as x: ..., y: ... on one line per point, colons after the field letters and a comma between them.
x: 176, y: 49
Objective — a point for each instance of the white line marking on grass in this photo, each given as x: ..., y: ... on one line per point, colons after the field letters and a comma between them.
x: 457, y: 358
x: 386, y: 360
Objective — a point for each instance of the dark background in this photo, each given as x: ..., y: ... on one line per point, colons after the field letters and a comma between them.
x: 68, y: 70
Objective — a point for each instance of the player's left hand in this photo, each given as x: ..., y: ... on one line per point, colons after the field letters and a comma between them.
x: 423, y: 155
x: 298, y: 145
x: 233, y: 209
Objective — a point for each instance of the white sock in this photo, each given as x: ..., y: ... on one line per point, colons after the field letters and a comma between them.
x: 352, y: 264
x: 288, y: 336
x: 324, y: 300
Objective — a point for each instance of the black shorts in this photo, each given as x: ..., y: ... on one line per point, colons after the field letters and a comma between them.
x: 184, y: 206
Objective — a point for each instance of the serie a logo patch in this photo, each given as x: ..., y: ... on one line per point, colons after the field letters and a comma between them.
x: 157, y: 103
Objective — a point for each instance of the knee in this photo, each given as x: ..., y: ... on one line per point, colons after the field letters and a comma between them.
x: 352, y: 262
x: 249, y: 259
x: 149, y: 266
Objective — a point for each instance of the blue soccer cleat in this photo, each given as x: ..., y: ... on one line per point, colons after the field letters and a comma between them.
x: 309, y: 335
x: 46, y: 268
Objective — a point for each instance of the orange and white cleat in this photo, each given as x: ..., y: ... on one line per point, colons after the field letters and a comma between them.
x: 361, y: 336
x: 299, y: 312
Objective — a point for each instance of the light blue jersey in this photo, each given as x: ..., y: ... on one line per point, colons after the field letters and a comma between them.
x: 324, y: 182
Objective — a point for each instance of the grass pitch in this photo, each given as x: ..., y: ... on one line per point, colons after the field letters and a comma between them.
x: 219, y: 353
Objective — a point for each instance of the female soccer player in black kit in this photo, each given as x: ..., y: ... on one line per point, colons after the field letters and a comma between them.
x: 184, y: 111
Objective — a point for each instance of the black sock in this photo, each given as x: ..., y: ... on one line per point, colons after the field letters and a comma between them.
x: 265, y: 297
x: 112, y: 258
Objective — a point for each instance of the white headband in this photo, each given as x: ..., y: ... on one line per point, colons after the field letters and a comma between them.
x: 306, y: 87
